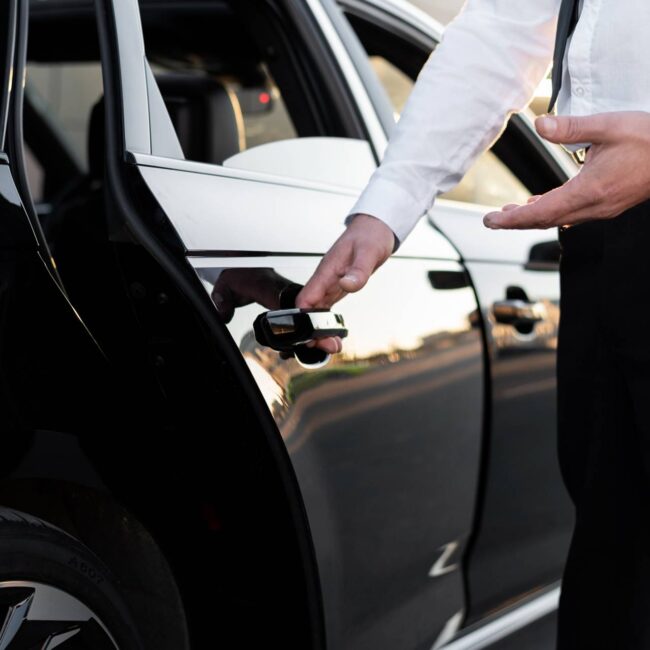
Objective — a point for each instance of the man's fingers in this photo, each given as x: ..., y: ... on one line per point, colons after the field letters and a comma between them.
x: 554, y: 208
x: 575, y: 129
x: 332, y: 345
x: 357, y: 274
x: 322, y: 289
x: 348, y: 265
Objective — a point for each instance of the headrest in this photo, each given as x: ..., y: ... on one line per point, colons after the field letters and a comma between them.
x: 207, y: 117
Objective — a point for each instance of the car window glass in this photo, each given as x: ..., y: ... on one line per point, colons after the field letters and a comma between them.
x: 35, y: 176
x: 226, y: 91
x: 488, y: 182
x: 63, y: 94
x: 217, y: 116
x: 59, y: 100
x: 63, y: 117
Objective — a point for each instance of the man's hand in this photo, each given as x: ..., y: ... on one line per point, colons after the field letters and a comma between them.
x: 364, y: 246
x: 614, y: 177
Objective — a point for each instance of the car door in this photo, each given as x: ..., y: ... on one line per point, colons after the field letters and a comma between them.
x: 384, y: 440
x: 524, y: 518
x: 46, y: 352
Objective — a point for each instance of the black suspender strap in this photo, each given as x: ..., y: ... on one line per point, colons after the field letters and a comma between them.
x: 566, y: 23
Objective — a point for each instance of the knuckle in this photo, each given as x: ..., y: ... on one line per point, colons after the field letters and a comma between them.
x: 571, y: 129
x: 546, y: 222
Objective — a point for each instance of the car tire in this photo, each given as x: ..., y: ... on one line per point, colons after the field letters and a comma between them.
x: 54, y: 589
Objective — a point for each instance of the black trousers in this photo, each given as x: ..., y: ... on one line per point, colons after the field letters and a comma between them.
x: 604, y: 431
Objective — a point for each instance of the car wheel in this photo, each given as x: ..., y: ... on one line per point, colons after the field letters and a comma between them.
x: 55, y: 593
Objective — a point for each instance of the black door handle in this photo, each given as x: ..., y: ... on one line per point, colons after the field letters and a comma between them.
x: 287, y: 330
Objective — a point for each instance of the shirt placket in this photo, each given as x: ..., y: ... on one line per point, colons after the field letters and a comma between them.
x: 579, y: 59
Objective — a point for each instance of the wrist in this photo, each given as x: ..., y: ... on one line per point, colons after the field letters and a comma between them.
x: 367, y: 220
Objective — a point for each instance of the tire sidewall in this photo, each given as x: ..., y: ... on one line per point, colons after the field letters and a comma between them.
x: 46, y: 555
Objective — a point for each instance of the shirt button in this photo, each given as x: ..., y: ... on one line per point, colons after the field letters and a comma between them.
x: 579, y: 91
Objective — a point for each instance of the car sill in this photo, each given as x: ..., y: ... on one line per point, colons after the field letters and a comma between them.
x: 485, y: 634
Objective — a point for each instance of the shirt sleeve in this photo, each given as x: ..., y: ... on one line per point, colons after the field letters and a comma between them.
x: 491, y: 59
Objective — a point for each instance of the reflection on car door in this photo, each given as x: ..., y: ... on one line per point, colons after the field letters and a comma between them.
x: 384, y: 440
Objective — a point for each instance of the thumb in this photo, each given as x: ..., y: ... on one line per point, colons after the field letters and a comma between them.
x: 566, y: 129
x: 360, y: 269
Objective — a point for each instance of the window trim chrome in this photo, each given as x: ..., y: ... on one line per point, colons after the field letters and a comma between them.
x: 376, y: 133
x: 404, y: 11
x: 485, y: 634
x: 134, y: 98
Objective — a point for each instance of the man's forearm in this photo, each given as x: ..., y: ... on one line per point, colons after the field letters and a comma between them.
x: 489, y: 63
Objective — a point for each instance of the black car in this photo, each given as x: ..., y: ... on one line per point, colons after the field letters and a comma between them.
x: 170, y: 171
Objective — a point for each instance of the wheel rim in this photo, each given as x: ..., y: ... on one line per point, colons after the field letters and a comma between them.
x: 40, y: 616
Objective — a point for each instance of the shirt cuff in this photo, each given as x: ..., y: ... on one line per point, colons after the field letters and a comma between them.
x: 391, y: 204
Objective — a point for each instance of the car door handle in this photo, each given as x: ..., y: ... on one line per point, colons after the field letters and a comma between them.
x: 287, y: 330
x: 518, y: 312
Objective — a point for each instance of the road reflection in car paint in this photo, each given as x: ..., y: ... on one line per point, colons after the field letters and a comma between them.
x: 384, y: 440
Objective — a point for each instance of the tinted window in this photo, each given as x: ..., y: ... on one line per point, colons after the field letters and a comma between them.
x: 64, y: 94
x: 228, y: 77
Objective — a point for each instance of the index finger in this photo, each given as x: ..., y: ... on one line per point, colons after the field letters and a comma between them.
x: 322, y: 289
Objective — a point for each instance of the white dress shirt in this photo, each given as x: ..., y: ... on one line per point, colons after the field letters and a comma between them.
x: 490, y: 61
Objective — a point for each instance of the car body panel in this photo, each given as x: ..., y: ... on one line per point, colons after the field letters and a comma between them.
x: 385, y: 444
x: 262, y: 213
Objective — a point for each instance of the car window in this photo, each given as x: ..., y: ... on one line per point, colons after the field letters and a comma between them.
x: 59, y: 100
x: 64, y: 93
x: 489, y: 181
x: 35, y: 176
x: 217, y: 115
x: 229, y: 78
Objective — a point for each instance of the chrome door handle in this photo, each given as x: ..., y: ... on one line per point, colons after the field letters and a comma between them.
x: 286, y: 330
x: 518, y: 312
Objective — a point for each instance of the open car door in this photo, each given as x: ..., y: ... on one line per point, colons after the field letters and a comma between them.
x: 46, y: 351
x: 379, y: 447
